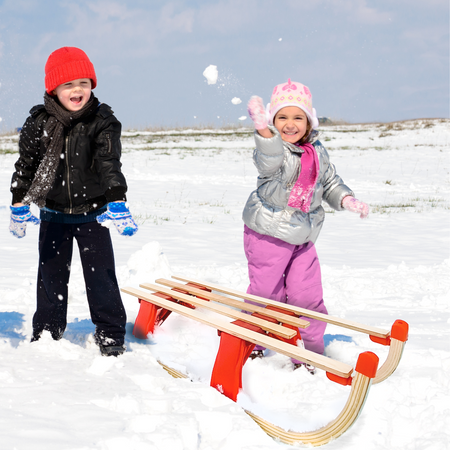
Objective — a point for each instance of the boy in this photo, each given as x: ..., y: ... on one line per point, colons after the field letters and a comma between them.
x: 69, y: 166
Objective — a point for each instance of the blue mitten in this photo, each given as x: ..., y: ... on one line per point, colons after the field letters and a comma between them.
x: 120, y: 216
x: 20, y: 216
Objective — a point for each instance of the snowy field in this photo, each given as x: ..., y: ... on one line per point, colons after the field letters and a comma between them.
x: 187, y: 189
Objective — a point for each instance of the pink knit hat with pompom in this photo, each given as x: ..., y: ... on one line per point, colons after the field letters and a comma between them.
x: 292, y: 94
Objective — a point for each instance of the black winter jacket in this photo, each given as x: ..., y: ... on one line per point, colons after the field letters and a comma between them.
x: 89, y: 174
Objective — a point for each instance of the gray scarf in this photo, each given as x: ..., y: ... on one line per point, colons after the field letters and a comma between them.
x: 53, y: 140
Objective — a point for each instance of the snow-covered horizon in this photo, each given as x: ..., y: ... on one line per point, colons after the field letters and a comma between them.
x: 187, y: 189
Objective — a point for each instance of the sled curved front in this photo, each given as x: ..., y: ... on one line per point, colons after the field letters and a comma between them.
x: 392, y: 361
x: 396, y: 341
x: 355, y: 403
x: 365, y: 370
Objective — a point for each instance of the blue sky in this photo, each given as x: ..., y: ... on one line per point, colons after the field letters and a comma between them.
x: 363, y: 60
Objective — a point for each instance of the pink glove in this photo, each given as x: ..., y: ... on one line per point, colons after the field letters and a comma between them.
x: 351, y: 204
x: 257, y: 112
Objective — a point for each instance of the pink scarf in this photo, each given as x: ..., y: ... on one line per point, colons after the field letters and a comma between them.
x: 302, y: 192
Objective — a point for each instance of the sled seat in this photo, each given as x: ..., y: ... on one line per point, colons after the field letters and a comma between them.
x: 261, y: 337
x: 395, y: 338
x: 192, y: 296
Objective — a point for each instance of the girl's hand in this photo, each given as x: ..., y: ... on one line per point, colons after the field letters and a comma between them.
x: 351, y: 204
x: 257, y: 112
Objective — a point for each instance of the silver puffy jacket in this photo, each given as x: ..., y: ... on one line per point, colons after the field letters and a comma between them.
x: 279, y: 164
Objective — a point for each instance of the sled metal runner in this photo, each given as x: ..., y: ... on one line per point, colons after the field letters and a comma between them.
x: 318, y: 437
x: 275, y: 326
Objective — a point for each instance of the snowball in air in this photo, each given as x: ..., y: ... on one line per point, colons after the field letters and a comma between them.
x: 236, y: 101
x: 242, y: 117
x: 211, y: 74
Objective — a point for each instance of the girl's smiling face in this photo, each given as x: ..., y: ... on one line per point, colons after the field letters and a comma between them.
x: 74, y: 94
x: 292, y: 123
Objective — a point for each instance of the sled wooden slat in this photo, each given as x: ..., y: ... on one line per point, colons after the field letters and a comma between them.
x: 399, y: 329
x: 223, y: 310
x: 335, y: 367
x: 373, y: 331
x: 282, y: 318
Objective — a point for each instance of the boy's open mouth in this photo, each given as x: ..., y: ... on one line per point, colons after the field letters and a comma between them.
x: 76, y: 99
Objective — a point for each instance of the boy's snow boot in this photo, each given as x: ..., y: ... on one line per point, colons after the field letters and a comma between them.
x: 35, y: 336
x: 111, y: 350
x: 108, y: 346
x: 56, y: 335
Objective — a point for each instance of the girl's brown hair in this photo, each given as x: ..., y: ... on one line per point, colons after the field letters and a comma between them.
x: 307, y: 137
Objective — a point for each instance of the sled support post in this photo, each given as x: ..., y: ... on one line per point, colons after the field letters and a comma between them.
x: 149, y: 315
x: 145, y: 320
x: 233, y: 352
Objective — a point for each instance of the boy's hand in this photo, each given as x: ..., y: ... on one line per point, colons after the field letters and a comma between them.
x: 257, y: 112
x: 120, y: 216
x: 351, y: 204
x: 20, y: 216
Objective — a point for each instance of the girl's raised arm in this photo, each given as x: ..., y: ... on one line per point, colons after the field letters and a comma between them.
x: 257, y: 113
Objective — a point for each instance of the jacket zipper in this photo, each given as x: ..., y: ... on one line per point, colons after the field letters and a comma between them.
x: 109, y: 142
x: 69, y: 193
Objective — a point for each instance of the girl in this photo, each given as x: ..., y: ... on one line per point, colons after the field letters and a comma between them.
x: 283, y: 216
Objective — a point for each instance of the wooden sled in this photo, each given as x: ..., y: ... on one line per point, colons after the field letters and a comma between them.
x: 274, y: 326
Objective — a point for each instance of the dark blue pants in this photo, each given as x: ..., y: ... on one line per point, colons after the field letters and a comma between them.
x: 97, y: 259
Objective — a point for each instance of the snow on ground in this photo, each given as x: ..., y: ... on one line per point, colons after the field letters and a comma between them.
x: 186, y: 190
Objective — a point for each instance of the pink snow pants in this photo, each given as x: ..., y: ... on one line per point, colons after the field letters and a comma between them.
x: 289, y: 274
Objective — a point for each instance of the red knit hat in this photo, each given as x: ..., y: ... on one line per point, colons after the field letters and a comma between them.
x: 67, y: 64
